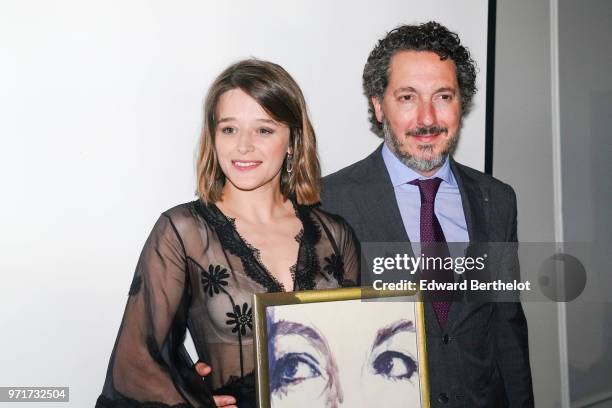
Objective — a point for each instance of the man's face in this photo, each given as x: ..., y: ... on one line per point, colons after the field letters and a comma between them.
x: 421, y: 109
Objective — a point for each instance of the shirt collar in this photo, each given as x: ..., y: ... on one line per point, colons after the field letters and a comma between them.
x: 402, y: 174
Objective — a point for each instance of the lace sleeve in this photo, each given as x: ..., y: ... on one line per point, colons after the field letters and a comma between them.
x: 149, y: 366
x: 351, y: 254
x: 345, y: 261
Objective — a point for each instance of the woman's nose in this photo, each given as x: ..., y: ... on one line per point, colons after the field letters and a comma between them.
x: 245, y: 143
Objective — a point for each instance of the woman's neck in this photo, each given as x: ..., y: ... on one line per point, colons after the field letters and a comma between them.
x: 256, y: 206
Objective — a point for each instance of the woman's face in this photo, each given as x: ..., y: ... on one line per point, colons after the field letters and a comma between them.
x: 317, y: 360
x: 249, y: 143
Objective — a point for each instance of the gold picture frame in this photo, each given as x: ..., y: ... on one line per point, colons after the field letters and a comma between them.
x: 265, y: 304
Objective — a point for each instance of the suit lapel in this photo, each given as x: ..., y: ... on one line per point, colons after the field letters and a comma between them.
x: 475, y: 203
x: 377, y: 204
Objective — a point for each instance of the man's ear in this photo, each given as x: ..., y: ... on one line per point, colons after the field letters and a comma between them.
x: 378, y: 111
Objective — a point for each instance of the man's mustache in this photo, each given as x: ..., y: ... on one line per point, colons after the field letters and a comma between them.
x: 420, y: 131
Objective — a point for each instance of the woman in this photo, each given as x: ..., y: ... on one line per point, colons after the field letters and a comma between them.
x: 252, y: 230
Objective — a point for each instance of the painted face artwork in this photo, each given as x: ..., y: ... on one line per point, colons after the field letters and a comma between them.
x: 250, y: 144
x: 317, y: 359
x: 421, y: 109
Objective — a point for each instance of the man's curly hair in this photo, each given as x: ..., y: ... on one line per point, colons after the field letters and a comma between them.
x: 429, y: 36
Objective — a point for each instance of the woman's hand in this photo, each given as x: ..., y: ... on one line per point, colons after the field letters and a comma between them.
x: 221, y: 401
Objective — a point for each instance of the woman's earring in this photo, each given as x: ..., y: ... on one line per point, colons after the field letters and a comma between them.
x: 289, y: 162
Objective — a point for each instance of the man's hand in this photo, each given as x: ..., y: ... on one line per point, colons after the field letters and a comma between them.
x: 224, y: 401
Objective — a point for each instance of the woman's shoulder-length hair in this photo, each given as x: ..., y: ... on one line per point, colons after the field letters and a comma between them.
x: 280, y: 96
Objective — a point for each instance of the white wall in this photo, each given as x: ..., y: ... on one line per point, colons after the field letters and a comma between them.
x: 100, y: 109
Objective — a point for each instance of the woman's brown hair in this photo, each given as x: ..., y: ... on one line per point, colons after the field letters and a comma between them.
x: 280, y: 96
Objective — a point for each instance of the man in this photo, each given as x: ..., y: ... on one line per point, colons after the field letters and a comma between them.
x: 419, y: 81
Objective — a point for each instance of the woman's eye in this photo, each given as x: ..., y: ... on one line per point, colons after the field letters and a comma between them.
x: 266, y: 131
x: 396, y: 365
x: 228, y: 130
x: 293, y: 368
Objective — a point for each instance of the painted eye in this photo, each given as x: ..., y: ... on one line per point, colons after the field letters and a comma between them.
x: 395, y: 365
x: 228, y: 130
x: 293, y: 368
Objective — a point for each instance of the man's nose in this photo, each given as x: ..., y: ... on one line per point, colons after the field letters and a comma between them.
x: 426, y: 114
x: 245, y: 143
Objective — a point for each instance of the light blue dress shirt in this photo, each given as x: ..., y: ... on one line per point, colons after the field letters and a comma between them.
x: 448, y: 207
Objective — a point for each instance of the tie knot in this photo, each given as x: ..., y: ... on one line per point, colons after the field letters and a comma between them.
x: 428, y: 188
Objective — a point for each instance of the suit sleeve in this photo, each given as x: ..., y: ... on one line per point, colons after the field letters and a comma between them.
x: 511, y: 327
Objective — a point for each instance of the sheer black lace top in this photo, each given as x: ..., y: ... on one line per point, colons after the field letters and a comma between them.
x: 197, y: 273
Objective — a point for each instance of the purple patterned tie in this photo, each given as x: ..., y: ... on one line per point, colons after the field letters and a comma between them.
x: 432, y: 234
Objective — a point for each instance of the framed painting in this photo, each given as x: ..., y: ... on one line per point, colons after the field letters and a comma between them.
x: 349, y: 347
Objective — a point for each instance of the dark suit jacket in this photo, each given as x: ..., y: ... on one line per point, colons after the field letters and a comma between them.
x: 481, y: 357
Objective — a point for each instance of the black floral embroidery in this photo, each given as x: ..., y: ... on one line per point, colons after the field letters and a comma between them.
x: 214, y: 279
x: 233, y: 242
x: 334, y: 265
x: 135, y: 286
x: 308, y: 263
x: 241, y: 319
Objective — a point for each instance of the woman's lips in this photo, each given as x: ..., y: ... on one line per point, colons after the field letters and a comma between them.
x: 245, y: 165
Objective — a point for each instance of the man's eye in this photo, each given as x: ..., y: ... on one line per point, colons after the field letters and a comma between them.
x: 293, y: 368
x: 395, y: 365
x: 406, y: 98
x: 228, y: 130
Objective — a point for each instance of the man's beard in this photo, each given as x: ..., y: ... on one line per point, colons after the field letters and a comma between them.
x: 416, y: 163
